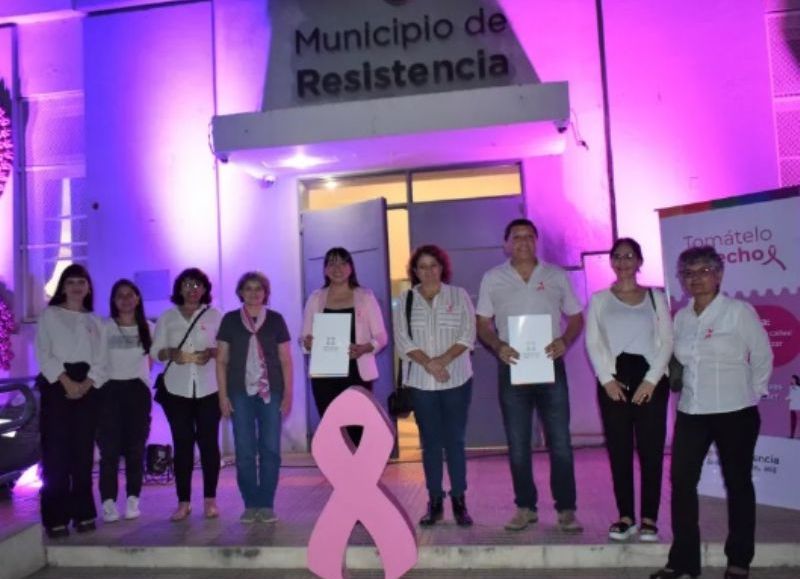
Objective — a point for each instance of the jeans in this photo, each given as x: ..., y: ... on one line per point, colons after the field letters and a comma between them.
x: 122, y: 430
x: 257, y: 433
x: 442, y: 419
x: 551, y: 401
x: 735, y: 434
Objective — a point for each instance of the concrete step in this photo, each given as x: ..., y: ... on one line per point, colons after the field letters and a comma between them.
x: 633, y: 556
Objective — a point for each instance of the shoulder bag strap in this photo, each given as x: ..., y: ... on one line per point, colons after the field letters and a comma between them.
x: 652, y: 299
x: 186, y: 335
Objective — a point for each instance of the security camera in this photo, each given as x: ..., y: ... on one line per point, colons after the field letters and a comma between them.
x: 267, y: 181
x: 562, y: 126
x: 223, y: 158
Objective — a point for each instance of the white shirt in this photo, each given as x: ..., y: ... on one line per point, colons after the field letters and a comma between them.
x: 726, y: 356
x: 64, y: 335
x: 188, y: 380
x: 794, y: 397
x: 504, y: 293
x: 125, y: 358
x: 436, y: 327
x: 613, y: 327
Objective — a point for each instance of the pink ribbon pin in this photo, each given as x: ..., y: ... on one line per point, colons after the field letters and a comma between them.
x: 358, y: 494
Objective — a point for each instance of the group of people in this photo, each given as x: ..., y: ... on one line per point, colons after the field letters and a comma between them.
x: 94, y: 378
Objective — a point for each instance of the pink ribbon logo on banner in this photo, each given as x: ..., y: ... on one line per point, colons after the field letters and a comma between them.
x: 358, y: 494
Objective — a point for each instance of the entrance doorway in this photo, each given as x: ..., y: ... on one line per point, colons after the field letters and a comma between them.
x: 463, y: 210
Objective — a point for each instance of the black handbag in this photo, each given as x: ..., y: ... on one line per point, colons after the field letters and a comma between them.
x: 400, y: 404
x: 77, y: 371
x: 160, y: 387
x: 675, y: 374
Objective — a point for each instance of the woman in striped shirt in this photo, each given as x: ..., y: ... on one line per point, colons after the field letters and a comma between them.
x: 434, y: 346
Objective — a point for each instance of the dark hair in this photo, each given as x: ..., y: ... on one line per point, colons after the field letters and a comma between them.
x: 796, y: 379
x: 344, y: 255
x: 253, y: 276
x: 516, y: 223
x: 141, y: 321
x: 194, y: 274
x: 702, y: 254
x: 436, y: 253
x: 73, y: 270
x: 637, y: 249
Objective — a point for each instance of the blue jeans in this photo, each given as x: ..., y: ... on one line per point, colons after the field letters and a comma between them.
x: 442, y: 419
x: 551, y: 401
x: 257, y: 432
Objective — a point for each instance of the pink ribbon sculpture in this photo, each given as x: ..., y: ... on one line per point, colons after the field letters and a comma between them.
x: 358, y: 494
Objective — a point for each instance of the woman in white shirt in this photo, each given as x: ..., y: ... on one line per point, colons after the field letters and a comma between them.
x: 191, y: 400
x: 435, y: 355
x: 727, y: 362
x: 124, y: 420
x: 794, y: 403
x: 629, y: 339
x: 70, y: 357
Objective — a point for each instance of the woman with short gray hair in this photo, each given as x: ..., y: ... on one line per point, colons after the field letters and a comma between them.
x: 254, y: 373
x: 727, y: 363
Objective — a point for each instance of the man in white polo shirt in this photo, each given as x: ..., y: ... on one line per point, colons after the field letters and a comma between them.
x: 525, y: 285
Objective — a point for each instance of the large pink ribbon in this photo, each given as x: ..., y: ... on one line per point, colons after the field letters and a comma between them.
x: 358, y: 494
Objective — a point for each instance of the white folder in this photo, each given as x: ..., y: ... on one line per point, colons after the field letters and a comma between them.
x: 529, y: 335
x: 330, y: 350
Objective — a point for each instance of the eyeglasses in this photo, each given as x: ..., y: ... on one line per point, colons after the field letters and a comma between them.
x: 630, y: 256
x: 191, y: 284
x: 706, y: 271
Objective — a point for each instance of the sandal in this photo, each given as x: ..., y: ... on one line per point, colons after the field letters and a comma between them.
x: 621, y: 531
x: 183, y: 511
x: 210, y: 510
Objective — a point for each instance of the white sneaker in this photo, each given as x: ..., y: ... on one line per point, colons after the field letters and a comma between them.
x: 132, y: 509
x: 110, y: 513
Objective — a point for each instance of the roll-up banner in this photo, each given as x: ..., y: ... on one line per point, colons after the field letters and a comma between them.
x: 758, y: 236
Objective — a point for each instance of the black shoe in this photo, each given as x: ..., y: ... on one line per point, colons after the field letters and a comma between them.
x: 57, y: 532
x: 460, y: 511
x: 671, y: 574
x: 434, y: 513
x: 86, y: 526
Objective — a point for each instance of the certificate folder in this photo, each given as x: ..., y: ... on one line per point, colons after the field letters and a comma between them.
x: 330, y: 350
x: 529, y: 335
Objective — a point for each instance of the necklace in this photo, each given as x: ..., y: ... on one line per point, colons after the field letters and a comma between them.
x: 129, y: 340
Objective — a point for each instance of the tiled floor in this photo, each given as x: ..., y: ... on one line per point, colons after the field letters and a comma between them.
x: 303, y: 491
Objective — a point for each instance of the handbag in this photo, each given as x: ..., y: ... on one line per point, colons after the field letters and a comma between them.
x: 400, y: 404
x: 160, y: 385
x: 674, y: 368
x: 675, y: 374
x: 77, y: 371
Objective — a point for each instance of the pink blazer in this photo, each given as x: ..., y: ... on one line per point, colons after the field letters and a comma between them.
x: 369, y: 325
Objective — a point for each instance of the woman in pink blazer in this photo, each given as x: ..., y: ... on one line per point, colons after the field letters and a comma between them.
x: 342, y: 294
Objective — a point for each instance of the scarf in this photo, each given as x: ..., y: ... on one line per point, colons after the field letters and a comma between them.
x: 255, y: 377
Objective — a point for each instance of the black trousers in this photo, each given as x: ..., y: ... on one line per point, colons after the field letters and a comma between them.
x: 122, y: 431
x: 627, y: 425
x: 67, y: 435
x: 735, y: 435
x: 194, y: 420
x: 327, y: 389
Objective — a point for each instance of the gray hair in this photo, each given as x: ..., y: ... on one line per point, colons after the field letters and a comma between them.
x: 253, y: 276
x: 704, y: 254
